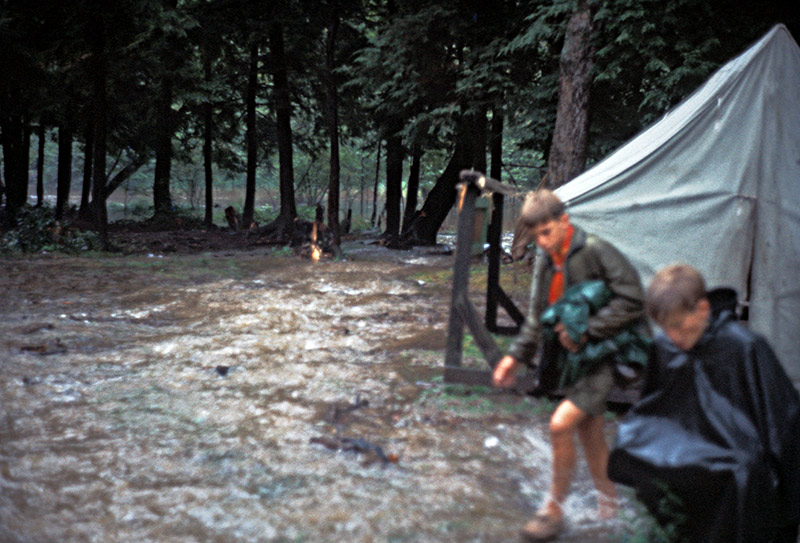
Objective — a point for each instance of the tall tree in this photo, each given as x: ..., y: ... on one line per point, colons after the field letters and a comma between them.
x: 332, y: 103
x: 469, y: 153
x: 567, y: 156
x: 64, y: 178
x: 252, y: 136
x: 208, y: 159
x: 41, y: 136
x: 165, y: 118
x: 19, y: 63
x: 97, y: 38
x: 394, y: 186
x: 283, y: 112
x: 84, y: 211
x: 412, y: 188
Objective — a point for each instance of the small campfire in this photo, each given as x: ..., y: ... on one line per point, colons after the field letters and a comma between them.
x: 312, y: 240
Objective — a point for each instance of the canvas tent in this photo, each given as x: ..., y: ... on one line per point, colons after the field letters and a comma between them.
x: 716, y: 183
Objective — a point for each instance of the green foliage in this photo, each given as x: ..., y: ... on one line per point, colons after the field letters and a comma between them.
x: 37, y: 230
x: 472, y: 352
x: 284, y: 250
x: 415, y: 70
x: 642, y: 526
x: 480, y: 401
x: 264, y: 214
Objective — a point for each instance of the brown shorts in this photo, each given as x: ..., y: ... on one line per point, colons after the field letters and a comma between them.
x: 591, y: 391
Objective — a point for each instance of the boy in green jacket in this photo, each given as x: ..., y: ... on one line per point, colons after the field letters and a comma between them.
x: 572, y: 257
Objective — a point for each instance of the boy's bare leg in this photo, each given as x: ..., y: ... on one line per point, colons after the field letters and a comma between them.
x: 563, y: 424
x: 590, y: 432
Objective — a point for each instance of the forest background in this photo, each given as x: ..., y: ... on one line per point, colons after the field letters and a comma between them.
x: 157, y: 109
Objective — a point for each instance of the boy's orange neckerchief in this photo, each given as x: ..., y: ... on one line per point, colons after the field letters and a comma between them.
x: 557, y: 284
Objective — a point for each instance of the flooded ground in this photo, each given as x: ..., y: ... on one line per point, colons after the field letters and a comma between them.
x: 205, y: 398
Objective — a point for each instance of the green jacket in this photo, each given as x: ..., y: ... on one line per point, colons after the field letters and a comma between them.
x: 630, y: 347
x: 589, y: 258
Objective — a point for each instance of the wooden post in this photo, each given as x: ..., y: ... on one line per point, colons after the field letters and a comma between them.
x: 466, y: 222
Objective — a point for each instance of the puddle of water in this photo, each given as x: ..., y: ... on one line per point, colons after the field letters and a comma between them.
x: 133, y: 432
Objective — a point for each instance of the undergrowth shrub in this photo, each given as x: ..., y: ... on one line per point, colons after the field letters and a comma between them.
x: 37, y: 230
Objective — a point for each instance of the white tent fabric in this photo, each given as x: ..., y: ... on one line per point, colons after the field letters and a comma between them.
x: 716, y: 183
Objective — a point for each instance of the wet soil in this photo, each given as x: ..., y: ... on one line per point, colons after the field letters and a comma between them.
x: 201, y: 389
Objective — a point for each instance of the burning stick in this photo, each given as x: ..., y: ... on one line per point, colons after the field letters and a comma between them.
x: 316, y: 252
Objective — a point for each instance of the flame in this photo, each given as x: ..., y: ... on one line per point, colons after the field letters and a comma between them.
x: 315, y: 250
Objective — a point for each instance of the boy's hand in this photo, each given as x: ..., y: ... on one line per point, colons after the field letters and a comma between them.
x: 566, y: 341
x: 504, y: 372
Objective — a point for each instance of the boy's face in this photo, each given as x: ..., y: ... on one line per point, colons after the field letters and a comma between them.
x: 550, y: 235
x: 685, y: 328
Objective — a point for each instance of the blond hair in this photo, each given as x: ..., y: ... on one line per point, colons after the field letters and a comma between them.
x: 673, y: 290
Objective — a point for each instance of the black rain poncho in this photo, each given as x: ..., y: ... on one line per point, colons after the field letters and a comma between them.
x: 719, y: 427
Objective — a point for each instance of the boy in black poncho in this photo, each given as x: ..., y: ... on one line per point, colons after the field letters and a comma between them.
x: 717, y: 429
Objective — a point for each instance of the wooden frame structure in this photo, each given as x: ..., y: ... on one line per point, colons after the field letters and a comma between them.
x: 462, y: 311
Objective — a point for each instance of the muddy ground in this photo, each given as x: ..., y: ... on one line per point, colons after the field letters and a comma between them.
x: 194, y: 388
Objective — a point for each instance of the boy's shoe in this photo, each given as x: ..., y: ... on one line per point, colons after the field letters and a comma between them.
x: 542, y: 527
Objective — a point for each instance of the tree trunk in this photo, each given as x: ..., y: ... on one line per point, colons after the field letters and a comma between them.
x: 567, y: 157
x: 208, y: 138
x: 252, y: 138
x: 124, y: 174
x: 162, y: 200
x: 16, y: 151
x: 283, y: 106
x: 333, y: 127
x: 412, y: 191
x: 64, y: 181
x: 40, y: 166
x: 375, y: 188
x: 207, y: 164
x: 394, y: 187
x: 97, y: 31
x: 84, y: 212
x: 496, y: 144
x: 469, y: 152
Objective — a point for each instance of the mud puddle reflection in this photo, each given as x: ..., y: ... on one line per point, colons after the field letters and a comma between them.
x: 183, y: 400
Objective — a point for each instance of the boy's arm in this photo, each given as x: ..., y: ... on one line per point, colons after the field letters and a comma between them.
x: 524, y: 347
x: 627, y: 303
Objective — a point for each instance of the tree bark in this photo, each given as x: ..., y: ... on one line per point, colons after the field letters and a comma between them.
x: 252, y: 137
x: 496, y: 144
x: 162, y: 200
x: 412, y: 190
x: 15, y: 134
x: 84, y: 212
x: 394, y: 187
x: 124, y: 174
x: 64, y: 181
x: 97, y: 32
x: 567, y: 157
x: 208, y: 138
x: 283, y: 107
x: 40, y: 167
x: 375, y: 188
x: 207, y: 163
x: 333, y: 126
